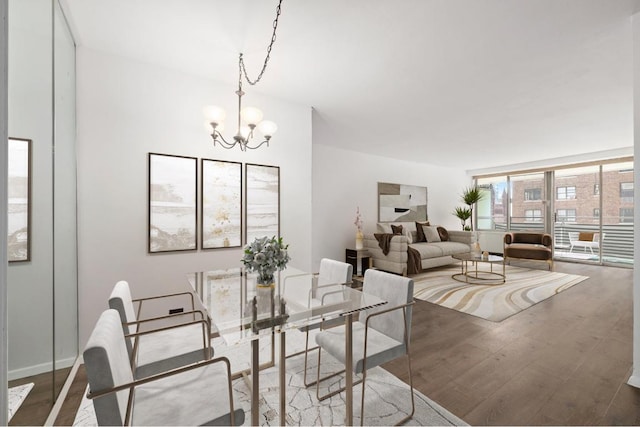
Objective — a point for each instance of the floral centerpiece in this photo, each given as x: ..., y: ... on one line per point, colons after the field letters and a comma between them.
x: 265, y: 256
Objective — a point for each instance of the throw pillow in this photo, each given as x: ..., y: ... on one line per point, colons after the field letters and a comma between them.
x: 443, y: 233
x: 431, y: 233
x: 420, y: 232
x: 396, y: 229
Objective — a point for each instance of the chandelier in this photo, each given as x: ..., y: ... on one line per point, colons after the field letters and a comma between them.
x: 249, y: 118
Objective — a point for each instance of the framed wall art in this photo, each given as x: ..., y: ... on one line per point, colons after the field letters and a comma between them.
x: 173, y: 216
x: 19, y: 200
x: 221, y: 186
x: 262, y: 192
x: 399, y: 202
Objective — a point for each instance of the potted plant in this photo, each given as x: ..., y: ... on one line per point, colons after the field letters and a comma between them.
x: 463, y: 214
x: 265, y: 256
x: 471, y: 196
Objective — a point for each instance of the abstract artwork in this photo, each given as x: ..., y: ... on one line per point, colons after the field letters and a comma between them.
x: 19, y: 200
x: 399, y: 202
x: 263, y: 201
x: 172, y: 203
x: 221, y: 204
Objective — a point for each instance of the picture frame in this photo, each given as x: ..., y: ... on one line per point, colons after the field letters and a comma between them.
x: 221, y: 204
x: 19, y: 200
x: 172, y: 203
x: 262, y: 201
x: 400, y: 202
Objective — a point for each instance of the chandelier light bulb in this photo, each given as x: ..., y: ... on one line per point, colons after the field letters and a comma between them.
x: 251, y: 115
x: 214, y: 114
x: 245, y: 131
x: 267, y: 128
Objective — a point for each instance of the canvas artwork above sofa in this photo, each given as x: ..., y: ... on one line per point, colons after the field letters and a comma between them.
x: 432, y: 246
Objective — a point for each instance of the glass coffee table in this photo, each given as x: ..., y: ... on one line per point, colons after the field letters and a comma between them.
x: 476, y: 276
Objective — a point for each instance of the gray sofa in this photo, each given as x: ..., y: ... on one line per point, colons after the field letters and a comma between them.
x: 432, y: 254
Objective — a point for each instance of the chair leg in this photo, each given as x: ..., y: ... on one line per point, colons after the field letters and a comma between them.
x: 333, y: 393
x: 306, y: 357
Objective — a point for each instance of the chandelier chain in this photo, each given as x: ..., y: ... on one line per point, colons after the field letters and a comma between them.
x: 266, y: 59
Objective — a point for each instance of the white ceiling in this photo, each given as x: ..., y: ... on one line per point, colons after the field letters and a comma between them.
x: 471, y: 83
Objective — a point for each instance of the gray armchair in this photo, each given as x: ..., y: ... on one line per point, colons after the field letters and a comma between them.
x: 197, y: 394
x: 182, y: 339
x: 380, y: 335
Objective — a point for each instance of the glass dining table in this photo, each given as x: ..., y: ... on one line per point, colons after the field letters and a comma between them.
x: 241, y: 311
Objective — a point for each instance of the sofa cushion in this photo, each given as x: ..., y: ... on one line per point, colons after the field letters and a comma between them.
x: 444, y: 234
x: 528, y: 251
x: 420, y: 231
x: 431, y: 234
x: 451, y: 248
x: 427, y: 250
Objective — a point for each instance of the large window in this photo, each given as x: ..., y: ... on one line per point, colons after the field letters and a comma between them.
x: 626, y: 192
x: 565, y: 193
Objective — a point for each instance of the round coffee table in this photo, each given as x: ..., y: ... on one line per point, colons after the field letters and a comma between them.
x: 479, y: 277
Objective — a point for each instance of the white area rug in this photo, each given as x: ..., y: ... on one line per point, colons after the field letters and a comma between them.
x: 387, y: 399
x: 523, y: 288
x: 16, y: 397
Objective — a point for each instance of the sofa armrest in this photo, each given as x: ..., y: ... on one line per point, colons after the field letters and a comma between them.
x: 460, y: 236
x: 395, y: 260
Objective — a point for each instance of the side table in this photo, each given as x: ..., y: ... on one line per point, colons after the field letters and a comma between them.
x: 359, y: 259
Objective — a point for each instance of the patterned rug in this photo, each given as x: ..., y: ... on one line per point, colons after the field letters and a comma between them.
x: 16, y: 397
x: 522, y: 288
x: 387, y: 399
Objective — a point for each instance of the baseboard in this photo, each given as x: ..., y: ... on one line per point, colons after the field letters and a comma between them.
x: 39, y: 369
x: 634, y: 379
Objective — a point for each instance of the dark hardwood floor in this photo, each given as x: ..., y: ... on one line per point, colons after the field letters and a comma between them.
x: 564, y: 361
x: 38, y: 403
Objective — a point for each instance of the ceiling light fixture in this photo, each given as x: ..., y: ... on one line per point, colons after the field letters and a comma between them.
x: 249, y: 118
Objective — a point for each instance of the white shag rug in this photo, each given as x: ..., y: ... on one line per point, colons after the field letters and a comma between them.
x: 16, y: 397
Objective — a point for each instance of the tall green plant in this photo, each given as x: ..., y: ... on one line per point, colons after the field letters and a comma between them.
x: 471, y: 196
x: 464, y: 214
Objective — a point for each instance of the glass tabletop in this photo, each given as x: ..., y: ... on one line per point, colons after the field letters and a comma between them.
x: 240, y: 310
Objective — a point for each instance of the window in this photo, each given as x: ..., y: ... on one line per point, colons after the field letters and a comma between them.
x: 596, y: 189
x: 565, y: 193
x: 533, y: 194
x: 566, y: 215
x: 533, y: 215
x: 596, y: 212
x: 626, y: 215
x: 626, y: 191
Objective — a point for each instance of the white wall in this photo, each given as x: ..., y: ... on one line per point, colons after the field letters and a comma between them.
x: 127, y: 109
x: 344, y: 180
x: 635, y: 376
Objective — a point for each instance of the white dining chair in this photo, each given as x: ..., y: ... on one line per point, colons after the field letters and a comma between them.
x: 182, y: 338
x: 196, y: 394
x: 331, y: 272
x: 380, y: 335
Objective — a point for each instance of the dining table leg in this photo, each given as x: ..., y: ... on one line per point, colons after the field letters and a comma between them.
x: 348, y: 369
x: 283, y: 385
x: 255, y: 382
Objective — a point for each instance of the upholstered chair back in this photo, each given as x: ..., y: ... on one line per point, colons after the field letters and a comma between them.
x: 120, y: 300
x: 396, y: 290
x: 332, y: 271
x: 107, y: 364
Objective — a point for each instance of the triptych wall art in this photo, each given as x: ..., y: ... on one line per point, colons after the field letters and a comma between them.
x: 173, y: 216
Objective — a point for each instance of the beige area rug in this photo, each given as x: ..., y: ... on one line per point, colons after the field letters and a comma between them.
x: 17, y: 395
x: 523, y: 288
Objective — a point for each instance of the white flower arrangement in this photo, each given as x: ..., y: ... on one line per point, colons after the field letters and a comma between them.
x: 265, y: 256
